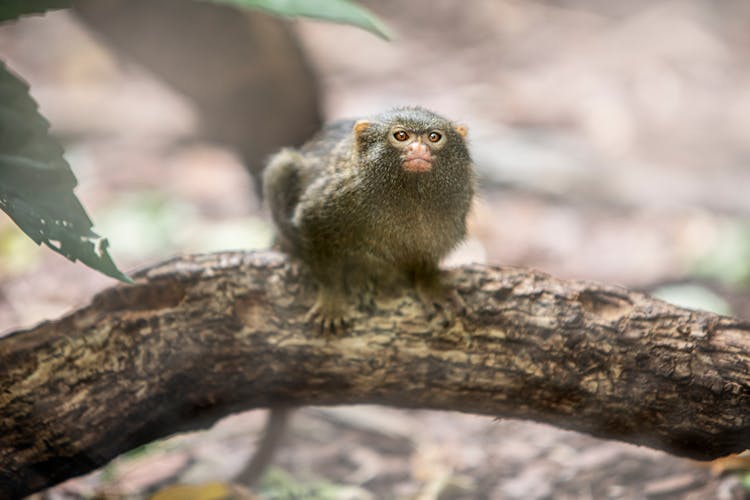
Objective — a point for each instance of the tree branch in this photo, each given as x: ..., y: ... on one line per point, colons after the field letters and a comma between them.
x: 199, y: 337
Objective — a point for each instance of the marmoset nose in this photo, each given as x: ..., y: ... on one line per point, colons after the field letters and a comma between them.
x: 418, y: 150
x: 417, y: 157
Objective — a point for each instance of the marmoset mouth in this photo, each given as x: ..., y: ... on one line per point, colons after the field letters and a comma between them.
x: 417, y: 165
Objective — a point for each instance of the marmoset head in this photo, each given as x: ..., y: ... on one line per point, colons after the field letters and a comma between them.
x: 413, y: 139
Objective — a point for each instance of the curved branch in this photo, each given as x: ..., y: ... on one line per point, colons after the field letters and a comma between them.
x: 199, y: 337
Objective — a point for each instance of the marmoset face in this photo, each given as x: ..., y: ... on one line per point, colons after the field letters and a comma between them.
x: 411, y: 138
x: 416, y: 147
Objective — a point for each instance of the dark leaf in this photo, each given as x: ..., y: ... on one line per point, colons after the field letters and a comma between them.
x: 36, y: 183
x: 13, y: 9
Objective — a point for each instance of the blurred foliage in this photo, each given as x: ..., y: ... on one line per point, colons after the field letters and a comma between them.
x: 36, y: 183
x: 337, y: 11
x: 145, y: 224
x: 148, y: 224
x: 693, y: 297
x: 729, y: 260
x: 17, y: 254
x: 109, y: 471
x: 247, y: 233
x: 277, y: 484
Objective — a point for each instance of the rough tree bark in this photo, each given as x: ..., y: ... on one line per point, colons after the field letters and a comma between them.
x: 199, y: 337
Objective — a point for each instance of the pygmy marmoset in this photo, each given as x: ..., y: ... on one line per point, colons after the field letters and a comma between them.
x: 372, y: 201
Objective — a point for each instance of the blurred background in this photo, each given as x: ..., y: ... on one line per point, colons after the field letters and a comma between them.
x: 611, y: 138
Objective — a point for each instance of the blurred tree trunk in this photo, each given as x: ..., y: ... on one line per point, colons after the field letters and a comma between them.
x: 197, y: 338
x: 244, y: 71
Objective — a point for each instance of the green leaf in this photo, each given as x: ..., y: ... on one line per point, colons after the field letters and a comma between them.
x: 338, y: 11
x: 13, y: 9
x: 36, y: 183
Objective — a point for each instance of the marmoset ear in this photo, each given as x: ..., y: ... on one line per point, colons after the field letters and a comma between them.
x: 461, y: 129
x: 360, y: 127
